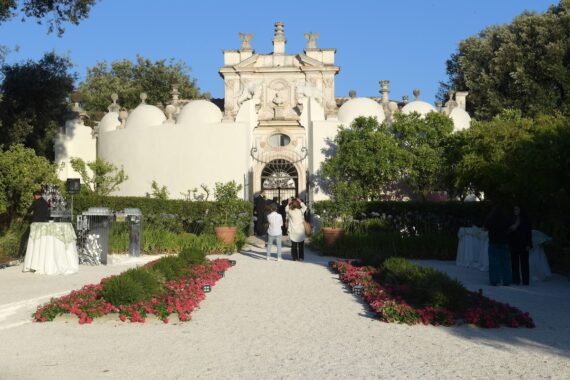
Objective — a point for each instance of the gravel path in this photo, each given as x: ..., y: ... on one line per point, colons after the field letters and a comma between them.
x: 295, y: 320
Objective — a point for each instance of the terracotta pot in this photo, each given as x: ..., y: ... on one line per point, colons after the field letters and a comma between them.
x: 226, y: 234
x: 332, y: 235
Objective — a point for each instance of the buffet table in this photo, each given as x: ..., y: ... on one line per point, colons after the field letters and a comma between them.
x: 51, y: 249
x: 472, y: 252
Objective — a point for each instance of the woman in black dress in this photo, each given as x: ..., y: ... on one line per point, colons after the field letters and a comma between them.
x: 520, y: 244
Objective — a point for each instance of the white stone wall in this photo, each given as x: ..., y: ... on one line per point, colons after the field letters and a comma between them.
x: 180, y: 157
x: 78, y: 141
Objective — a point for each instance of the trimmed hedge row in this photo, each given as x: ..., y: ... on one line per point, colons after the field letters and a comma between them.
x: 419, y: 217
x: 172, y: 214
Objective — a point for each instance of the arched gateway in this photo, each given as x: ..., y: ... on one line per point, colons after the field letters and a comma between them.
x: 279, y: 179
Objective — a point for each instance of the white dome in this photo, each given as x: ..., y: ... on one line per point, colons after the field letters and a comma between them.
x: 145, y: 115
x: 360, y: 107
x: 109, y: 122
x: 199, y: 112
x: 461, y: 119
x: 419, y: 106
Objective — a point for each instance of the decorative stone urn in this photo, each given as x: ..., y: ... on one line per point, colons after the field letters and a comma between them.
x: 226, y: 234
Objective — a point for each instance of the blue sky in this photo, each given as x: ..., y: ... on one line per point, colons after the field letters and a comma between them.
x: 405, y: 42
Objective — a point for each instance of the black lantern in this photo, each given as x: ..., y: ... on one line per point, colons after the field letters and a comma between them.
x: 357, y: 289
x: 221, y: 273
x: 206, y: 288
x: 233, y: 263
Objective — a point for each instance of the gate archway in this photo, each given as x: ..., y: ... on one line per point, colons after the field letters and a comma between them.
x: 280, y: 179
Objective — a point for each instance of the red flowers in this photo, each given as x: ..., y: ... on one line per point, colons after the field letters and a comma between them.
x: 180, y: 296
x: 391, y: 306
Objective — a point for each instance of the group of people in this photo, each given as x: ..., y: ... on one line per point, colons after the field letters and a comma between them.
x: 274, y: 221
x: 510, y: 242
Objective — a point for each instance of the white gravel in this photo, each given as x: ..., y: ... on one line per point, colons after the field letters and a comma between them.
x: 279, y: 320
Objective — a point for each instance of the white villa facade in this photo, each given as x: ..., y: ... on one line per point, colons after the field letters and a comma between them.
x: 279, y: 113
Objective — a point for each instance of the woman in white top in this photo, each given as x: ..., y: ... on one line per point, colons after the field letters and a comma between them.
x: 274, y: 232
x: 296, y: 223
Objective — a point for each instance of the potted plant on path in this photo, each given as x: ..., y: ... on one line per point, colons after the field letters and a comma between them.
x: 337, y: 214
x: 227, y: 210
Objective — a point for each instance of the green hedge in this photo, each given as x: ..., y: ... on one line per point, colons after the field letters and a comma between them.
x: 173, y: 215
x: 375, y: 247
x: 419, y: 217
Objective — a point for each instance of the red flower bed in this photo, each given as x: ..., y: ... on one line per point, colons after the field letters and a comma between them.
x: 180, y: 296
x: 390, y: 303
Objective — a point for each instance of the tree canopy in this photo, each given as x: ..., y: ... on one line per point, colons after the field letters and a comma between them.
x: 515, y: 159
x: 56, y: 12
x: 34, y: 102
x: 523, y: 65
x: 377, y: 159
x: 21, y: 173
x: 129, y: 79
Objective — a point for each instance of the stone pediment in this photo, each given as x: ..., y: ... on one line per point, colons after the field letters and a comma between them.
x: 248, y: 63
x: 307, y: 61
x: 267, y: 61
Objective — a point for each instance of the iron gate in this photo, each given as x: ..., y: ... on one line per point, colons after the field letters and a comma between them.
x: 280, y: 180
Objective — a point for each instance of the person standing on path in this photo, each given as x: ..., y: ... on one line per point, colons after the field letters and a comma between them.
x: 498, y: 225
x: 261, y: 225
x: 296, y: 224
x: 520, y: 243
x: 274, y: 231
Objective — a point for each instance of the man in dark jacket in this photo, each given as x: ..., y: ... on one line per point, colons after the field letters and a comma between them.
x: 39, y: 210
x: 261, y: 225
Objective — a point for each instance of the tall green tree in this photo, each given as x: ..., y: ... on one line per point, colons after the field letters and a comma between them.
x: 367, y: 155
x: 523, y: 65
x: 21, y: 173
x: 55, y: 12
x: 34, y: 102
x: 486, y: 150
x: 423, y: 139
x: 129, y: 79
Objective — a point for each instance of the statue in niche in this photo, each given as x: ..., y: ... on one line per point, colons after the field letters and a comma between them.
x: 278, y: 107
x: 311, y: 40
x: 245, y: 41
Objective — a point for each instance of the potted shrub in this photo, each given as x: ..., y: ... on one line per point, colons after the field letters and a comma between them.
x: 227, y: 210
x: 338, y: 214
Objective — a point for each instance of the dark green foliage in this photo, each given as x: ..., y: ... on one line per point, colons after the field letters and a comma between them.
x: 377, y: 159
x: 424, y: 286
x: 173, y: 215
x: 57, y: 12
x: 34, y: 102
x: 132, y: 286
x: 192, y: 255
x: 171, y: 267
x: 122, y: 290
x: 129, y: 79
x: 522, y: 65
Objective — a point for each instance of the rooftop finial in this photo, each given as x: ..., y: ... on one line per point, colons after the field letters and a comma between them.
x: 279, y: 39
x: 245, y: 41
x: 143, y: 97
x: 417, y: 93
x: 385, y: 90
x: 311, y: 40
x: 114, y: 107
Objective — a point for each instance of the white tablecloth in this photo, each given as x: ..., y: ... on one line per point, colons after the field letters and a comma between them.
x: 472, y: 252
x: 51, y: 249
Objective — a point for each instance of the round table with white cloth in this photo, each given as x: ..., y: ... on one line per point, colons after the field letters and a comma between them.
x: 472, y: 252
x: 51, y: 249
